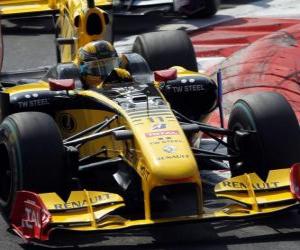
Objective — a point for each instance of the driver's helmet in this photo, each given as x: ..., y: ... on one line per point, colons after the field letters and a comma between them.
x: 97, y: 60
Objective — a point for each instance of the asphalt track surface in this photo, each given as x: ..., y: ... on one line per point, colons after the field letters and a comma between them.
x: 30, y: 44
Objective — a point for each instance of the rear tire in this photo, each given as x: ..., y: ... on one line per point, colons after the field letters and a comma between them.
x: 163, y: 50
x: 277, y: 142
x: 32, y: 156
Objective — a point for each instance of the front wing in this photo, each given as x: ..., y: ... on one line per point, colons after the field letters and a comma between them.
x: 38, y: 216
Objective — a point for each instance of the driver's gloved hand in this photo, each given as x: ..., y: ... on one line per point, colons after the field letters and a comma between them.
x: 119, y: 75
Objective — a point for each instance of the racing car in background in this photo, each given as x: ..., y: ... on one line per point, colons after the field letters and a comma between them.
x: 122, y: 156
x: 94, y: 19
x: 190, y: 8
x: 77, y: 22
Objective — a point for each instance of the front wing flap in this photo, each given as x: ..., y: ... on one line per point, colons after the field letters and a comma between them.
x: 252, y: 191
x: 37, y: 216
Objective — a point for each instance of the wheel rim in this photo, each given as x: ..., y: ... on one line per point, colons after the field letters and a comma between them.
x: 5, y: 174
x: 239, y: 166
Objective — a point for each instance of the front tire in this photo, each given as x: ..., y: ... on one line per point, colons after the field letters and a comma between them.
x: 32, y: 156
x: 276, y: 143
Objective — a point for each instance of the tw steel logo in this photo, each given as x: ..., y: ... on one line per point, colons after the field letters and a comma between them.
x: 162, y: 133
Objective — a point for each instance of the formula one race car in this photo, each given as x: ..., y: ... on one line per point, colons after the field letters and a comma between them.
x: 190, y: 8
x: 78, y: 22
x: 121, y: 156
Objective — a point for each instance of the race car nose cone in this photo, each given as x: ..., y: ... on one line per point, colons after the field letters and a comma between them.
x: 175, y: 164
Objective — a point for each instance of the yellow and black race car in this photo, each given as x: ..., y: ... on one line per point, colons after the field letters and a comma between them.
x: 123, y: 155
x: 93, y: 18
x: 77, y: 22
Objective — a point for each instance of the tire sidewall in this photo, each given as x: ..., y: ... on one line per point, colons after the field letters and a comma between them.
x: 36, y: 154
x: 276, y: 141
x: 9, y: 137
x: 241, y: 118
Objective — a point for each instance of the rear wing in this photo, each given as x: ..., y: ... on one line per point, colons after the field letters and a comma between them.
x: 17, y: 8
x: 11, y: 8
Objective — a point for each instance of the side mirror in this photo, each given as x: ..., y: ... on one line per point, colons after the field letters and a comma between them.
x: 165, y: 75
x: 61, y: 84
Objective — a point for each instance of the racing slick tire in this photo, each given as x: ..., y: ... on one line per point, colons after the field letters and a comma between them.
x: 31, y: 153
x: 276, y: 143
x: 163, y: 50
x: 210, y: 8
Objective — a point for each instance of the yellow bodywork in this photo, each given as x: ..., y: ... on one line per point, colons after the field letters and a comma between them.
x: 75, y: 21
x: 254, y: 197
x: 12, y: 7
x: 160, y: 157
x: 157, y: 166
x: 151, y: 158
x: 251, y: 191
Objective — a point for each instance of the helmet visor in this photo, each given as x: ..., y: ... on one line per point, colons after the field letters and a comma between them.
x: 102, y: 67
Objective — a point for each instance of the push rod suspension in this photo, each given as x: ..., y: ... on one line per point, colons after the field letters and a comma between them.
x: 212, y: 155
x: 204, y: 127
x: 97, y: 127
x: 92, y: 137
